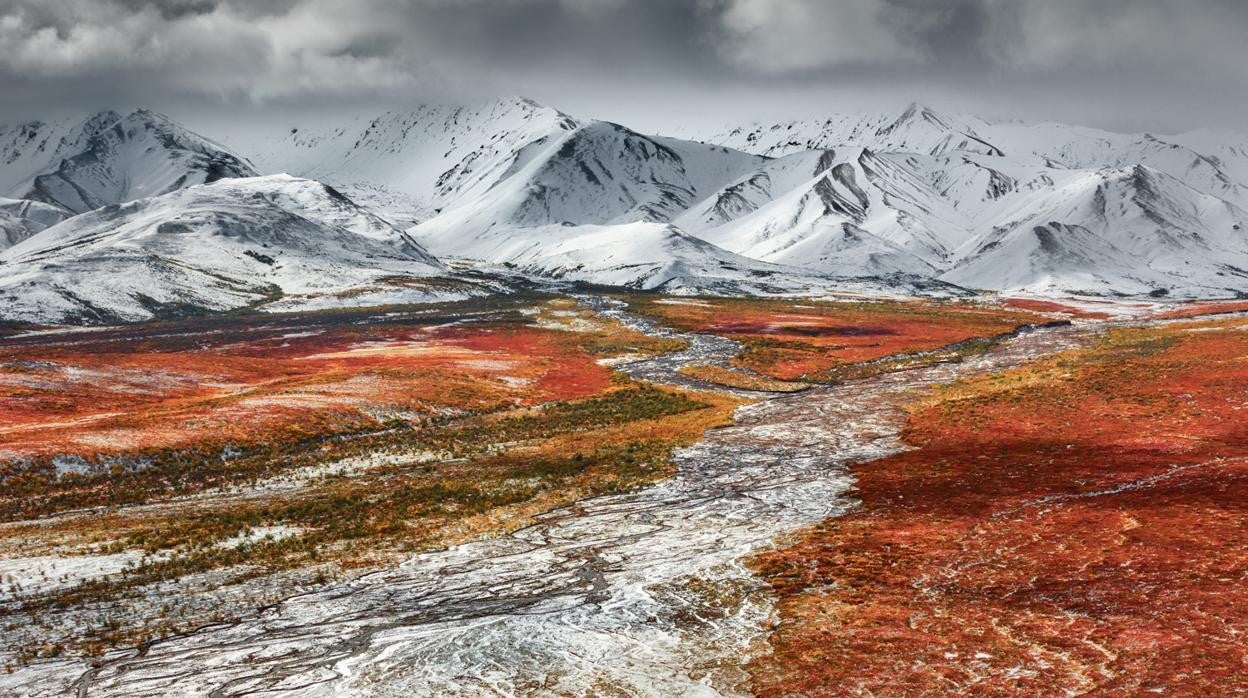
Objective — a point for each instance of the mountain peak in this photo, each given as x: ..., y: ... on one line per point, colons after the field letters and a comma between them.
x: 100, y: 120
x: 145, y: 114
x: 918, y: 115
x: 923, y: 129
x: 111, y: 159
x: 914, y: 108
x: 525, y: 105
x: 519, y: 100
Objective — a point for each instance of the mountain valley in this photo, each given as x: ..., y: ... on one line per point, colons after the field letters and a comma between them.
x: 497, y: 400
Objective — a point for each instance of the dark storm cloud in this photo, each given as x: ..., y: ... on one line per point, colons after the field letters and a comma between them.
x: 174, y: 9
x: 1135, y: 62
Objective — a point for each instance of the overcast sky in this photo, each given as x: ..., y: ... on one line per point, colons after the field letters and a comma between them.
x: 1159, y: 65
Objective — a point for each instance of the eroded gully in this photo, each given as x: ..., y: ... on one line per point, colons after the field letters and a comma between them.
x: 643, y: 593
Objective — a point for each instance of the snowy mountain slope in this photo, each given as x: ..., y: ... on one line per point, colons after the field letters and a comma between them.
x: 34, y: 147
x: 600, y: 173
x: 872, y: 215
x: 940, y: 198
x: 408, y: 165
x: 970, y: 183
x: 916, y: 129
x: 230, y: 244
x: 773, y: 178
x: 1122, y: 230
x: 1055, y: 257
x: 1139, y: 209
x: 109, y: 159
x: 915, y: 192
x: 837, y: 248
x: 1214, y: 162
x: 999, y: 206
x: 1221, y: 171
x: 1229, y: 150
x: 908, y: 211
x: 660, y: 257
x: 857, y: 217
x: 643, y: 255
x: 818, y: 225
x: 595, y: 205
x: 22, y: 218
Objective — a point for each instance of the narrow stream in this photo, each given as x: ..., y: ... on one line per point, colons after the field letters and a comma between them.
x: 703, y: 349
x: 636, y: 594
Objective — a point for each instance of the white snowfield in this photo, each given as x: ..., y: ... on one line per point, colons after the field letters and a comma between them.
x: 907, y: 201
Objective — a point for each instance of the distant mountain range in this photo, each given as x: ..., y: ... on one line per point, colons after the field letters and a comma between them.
x: 122, y: 217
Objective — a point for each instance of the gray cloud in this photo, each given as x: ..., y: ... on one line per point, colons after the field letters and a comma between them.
x: 1135, y: 63
x: 1159, y: 36
x: 769, y: 36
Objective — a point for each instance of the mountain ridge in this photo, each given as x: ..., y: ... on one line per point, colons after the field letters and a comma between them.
x: 234, y: 243
x: 1045, y: 208
x: 110, y: 158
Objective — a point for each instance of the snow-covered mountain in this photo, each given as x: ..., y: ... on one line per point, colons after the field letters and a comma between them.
x: 850, y: 214
x: 889, y: 197
x: 874, y: 194
x: 1047, y: 207
x: 592, y: 204
x: 512, y: 182
x: 916, y: 193
x: 406, y: 165
x: 917, y: 129
x: 598, y: 173
x: 22, y: 218
x: 1221, y: 172
x: 108, y: 158
x: 1118, y: 230
x: 230, y: 244
x: 643, y: 255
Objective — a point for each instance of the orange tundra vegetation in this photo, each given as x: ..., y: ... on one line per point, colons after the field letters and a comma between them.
x: 1188, y: 310
x: 359, y: 436
x: 811, y: 339
x: 242, y: 380
x: 1075, y: 526
x: 1037, y: 305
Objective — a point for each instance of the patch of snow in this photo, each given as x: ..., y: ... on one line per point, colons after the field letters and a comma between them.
x: 42, y: 574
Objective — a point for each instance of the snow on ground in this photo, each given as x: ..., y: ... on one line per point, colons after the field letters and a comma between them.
x: 259, y: 534
x: 41, y: 574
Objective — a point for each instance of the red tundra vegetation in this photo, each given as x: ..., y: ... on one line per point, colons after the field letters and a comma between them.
x: 305, y: 447
x: 1075, y: 526
x: 809, y: 339
x: 1187, y: 310
x: 1037, y: 305
x: 242, y: 380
